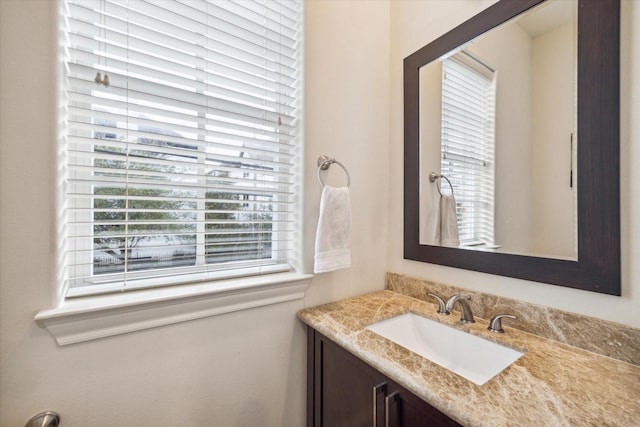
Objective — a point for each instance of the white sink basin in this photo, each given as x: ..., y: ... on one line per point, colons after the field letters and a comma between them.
x: 472, y: 357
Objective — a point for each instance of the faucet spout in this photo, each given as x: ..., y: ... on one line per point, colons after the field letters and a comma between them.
x: 465, y: 308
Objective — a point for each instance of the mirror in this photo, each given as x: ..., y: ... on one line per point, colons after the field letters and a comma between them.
x: 497, y: 121
x: 589, y: 258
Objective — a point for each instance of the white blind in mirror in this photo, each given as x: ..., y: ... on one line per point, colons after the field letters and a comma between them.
x: 468, y: 127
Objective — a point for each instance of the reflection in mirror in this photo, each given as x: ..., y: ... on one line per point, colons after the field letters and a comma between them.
x: 498, y: 122
x: 595, y: 265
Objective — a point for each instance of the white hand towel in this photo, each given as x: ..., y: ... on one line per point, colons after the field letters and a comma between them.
x: 448, y: 222
x: 333, y: 237
x: 430, y: 221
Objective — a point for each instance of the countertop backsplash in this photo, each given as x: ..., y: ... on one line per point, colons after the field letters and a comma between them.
x: 610, y: 339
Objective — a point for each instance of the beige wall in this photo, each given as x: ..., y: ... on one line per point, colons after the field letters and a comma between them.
x: 508, y: 51
x: 438, y: 16
x: 240, y: 369
x: 347, y: 117
x: 553, y: 201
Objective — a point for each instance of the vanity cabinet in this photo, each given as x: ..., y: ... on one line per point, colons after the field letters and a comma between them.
x: 342, y: 390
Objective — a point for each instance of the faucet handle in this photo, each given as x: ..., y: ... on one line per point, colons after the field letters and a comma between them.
x: 441, y: 305
x: 495, y: 325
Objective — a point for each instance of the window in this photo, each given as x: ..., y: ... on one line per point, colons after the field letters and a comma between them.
x: 468, y: 127
x: 181, y: 133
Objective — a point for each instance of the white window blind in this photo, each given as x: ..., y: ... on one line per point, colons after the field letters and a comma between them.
x: 468, y: 134
x: 181, y: 153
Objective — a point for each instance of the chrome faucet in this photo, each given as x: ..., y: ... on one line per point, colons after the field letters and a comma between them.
x: 465, y: 308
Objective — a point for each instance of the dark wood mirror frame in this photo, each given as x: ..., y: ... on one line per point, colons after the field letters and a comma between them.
x: 597, y: 268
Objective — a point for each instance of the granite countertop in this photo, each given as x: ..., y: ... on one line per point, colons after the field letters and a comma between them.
x: 553, y: 384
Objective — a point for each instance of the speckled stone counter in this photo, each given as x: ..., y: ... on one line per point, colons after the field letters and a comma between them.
x: 611, y: 339
x: 553, y: 384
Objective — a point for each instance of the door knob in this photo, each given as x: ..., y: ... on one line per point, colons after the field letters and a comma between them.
x: 44, y: 419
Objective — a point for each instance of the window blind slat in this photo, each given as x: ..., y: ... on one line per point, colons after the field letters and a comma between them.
x: 80, y: 104
x: 145, y: 22
x: 187, y: 133
x: 114, y: 151
x: 183, y: 90
x: 178, y: 75
x: 216, y: 53
x: 144, y: 92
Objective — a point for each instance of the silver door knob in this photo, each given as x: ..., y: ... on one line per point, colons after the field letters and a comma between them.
x: 44, y: 419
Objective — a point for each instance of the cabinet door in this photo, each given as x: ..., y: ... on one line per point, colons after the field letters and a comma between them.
x: 347, y: 391
x: 342, y: 390
x: 404, y: 409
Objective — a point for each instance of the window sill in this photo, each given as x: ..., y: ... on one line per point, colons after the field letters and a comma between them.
x: 85, y: 319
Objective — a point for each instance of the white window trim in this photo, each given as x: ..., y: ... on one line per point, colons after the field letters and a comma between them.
x: 85, y: 319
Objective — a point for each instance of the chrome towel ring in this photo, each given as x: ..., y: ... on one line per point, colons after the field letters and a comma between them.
x: 323, y: 164
x: 434, y: 177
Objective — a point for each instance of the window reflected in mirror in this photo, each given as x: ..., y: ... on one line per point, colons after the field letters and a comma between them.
x: 498, y: 120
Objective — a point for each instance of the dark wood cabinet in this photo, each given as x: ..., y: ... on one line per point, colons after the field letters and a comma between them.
x: 344, y: 391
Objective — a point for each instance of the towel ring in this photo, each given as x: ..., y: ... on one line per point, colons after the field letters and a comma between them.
x: 434, y: 177
x: 323, y: 164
